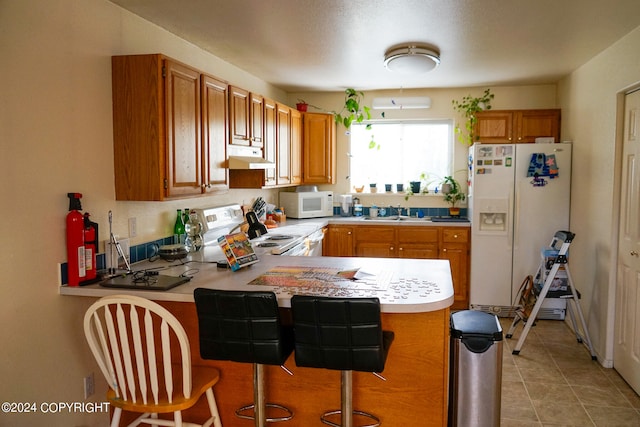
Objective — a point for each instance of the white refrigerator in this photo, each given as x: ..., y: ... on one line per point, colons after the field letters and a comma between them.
x: 519, y: 196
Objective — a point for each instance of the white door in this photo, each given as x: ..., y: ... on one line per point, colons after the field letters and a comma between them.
x: 626, y: 359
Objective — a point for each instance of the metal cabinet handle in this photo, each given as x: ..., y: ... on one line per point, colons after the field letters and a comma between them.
x: 634, y: 253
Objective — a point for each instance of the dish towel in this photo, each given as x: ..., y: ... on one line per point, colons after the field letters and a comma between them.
x: 543, y: 165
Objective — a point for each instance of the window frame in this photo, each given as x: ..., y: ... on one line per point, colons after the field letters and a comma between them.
x: 432, y: 179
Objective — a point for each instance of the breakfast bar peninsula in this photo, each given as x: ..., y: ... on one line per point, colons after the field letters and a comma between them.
x: 415, y: 297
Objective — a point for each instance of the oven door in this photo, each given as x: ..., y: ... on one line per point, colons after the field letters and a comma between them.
x: 310, y: 246
x: 301, y: 249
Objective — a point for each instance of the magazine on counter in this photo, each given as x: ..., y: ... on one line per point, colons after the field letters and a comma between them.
x: 238, y: 250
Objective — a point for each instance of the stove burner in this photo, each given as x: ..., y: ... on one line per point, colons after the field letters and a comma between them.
x: 267, y: 244
x: 280, y: 237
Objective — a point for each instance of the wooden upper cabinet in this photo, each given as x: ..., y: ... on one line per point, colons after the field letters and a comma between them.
x: 494, y: 127
x: 516, y: 126
x: 296, y: 146
x: 239, y: 113
x: 318, y: 149
x: 156, y: 128
x: 270, y: 140
x: 283, y: 157
x: 215, y: 133
x: 532, y: 124
x: 256, y: 114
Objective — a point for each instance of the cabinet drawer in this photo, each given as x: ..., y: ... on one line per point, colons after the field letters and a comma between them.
x: 375, y: 234
x: 417, y: 234
x: 451, y: 235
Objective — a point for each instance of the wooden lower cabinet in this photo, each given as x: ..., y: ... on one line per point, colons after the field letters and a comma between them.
x: 455, y: 246
x: 338, y: 241
x: 422, y: 242
x: 375, y: 242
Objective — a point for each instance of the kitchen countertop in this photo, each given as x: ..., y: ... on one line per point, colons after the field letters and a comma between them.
x: 411, y: 285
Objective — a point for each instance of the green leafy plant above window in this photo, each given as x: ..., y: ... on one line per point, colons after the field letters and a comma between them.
x: 470, y: 106
x: 353, y: 109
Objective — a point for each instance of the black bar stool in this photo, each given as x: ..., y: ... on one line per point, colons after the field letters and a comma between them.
x: 342, y: 334
x: 245, y: 327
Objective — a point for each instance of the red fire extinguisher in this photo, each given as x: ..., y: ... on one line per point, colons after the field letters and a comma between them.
x: 75, y: 241
x: 90, y: 248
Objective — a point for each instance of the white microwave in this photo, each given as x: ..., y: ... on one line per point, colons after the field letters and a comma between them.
x: 311, y: 204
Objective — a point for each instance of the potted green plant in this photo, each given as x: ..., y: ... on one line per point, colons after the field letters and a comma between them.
x: 452, y: 194
x: 470, y: 106
x: 353, y: 110
x: 418, y: 187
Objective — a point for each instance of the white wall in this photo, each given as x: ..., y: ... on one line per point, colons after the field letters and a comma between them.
x: 589, y: 100
x: 56, y: 137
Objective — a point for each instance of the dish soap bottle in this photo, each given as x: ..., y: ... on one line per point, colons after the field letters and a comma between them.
x: 193, y: 229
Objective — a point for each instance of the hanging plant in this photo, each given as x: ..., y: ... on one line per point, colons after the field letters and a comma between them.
x: 469, y: 106
x: 353, y: 110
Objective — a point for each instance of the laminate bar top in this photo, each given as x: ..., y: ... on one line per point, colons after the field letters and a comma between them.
x: 402, y: 285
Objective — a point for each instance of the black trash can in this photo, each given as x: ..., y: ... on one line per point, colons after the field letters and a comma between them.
x: 475, y: 369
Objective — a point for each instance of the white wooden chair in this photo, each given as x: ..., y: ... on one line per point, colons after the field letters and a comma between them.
x: 135, y: 342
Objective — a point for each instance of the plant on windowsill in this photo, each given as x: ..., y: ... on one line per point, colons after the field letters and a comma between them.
x: 452, y: 194
x: 470, y: 106
x: 418, y: 187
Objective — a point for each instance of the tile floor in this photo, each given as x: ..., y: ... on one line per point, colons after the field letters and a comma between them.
x: 554, y: 382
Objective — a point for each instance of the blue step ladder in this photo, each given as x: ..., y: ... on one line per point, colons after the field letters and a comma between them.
x: 533, y: 292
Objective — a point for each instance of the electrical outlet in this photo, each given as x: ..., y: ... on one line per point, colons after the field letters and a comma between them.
x: 89, y: 386
x: 133, y: 227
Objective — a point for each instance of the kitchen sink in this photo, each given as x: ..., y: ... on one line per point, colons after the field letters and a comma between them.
x: 397, y: 218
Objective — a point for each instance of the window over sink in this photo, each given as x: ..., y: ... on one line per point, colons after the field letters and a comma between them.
x: 396, y: 152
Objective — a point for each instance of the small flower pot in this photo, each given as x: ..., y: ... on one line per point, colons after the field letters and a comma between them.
x: 415, y: 187
x: 302, y: 107
x: 454, y: 212
x: 399, y: 188
x: 387, y: 188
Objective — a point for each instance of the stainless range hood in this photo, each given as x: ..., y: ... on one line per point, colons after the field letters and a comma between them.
x: 247, y: 158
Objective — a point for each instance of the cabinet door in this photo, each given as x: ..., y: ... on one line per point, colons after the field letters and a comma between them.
x: 283, y: 145
x: 375, y: 241
x: 270, y: 137
x: 532, y: 124
x: 494, y: 127
x: 215, y: 133
x: 418, y: 242
x: 319, y: 149
x: 296, y: 147
x: 139, y: 142
x: 338, y: 241
x: 455, y: 248
x: 239, y: 106
x: 184, y: 142
x: 256, y: 113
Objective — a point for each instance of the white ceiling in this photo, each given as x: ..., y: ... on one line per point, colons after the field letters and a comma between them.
x: 328, y: 45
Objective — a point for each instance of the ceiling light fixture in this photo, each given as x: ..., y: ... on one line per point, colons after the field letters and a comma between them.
x: 411, y: 59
